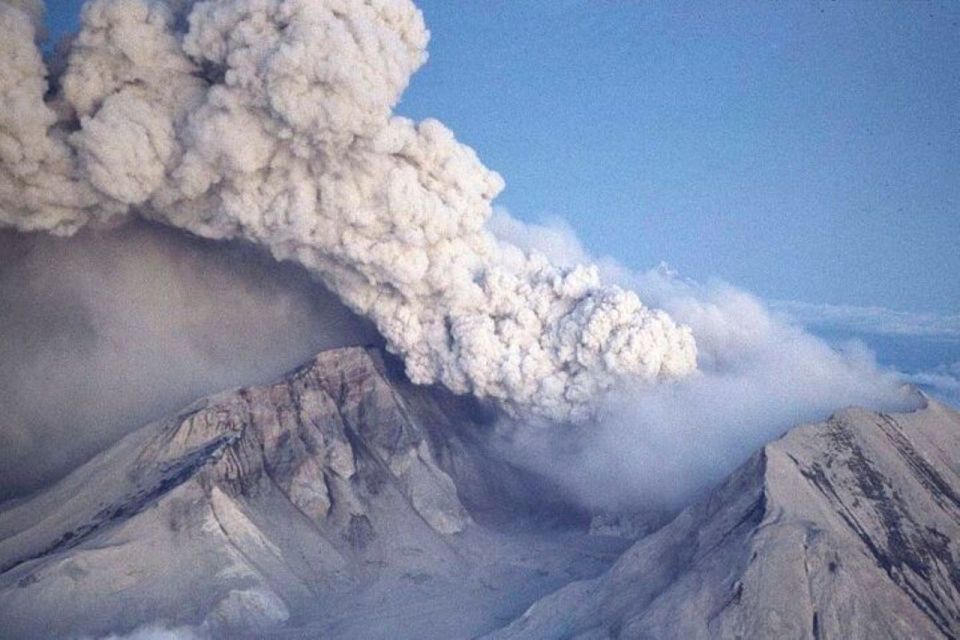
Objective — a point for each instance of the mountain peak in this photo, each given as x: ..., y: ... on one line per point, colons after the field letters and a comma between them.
x: 845, y: 528
x: 331, y: 448
x: 340, y: 484
x: 342, y: 497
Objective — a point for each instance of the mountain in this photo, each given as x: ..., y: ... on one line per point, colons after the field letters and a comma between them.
x: 341, y: 501
x: 344, y: 502
x: 845, y: 529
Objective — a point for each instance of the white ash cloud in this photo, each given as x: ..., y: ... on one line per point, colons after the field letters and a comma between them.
x: 271, y: 121
x: 759, y: 375
x: 105, y: 331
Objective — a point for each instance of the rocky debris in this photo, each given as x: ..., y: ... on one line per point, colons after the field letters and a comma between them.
x: 343, y: 501
x: 845, y: 529
x: 293, y: 504
x: 630, y: 525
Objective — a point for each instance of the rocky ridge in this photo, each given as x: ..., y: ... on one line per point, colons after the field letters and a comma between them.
x: 272, y: 507
x: 845, y: 529
x: 343, y: 501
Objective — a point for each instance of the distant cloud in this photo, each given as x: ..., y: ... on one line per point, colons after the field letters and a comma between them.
x: 869, y: 320
x: 942, y: 381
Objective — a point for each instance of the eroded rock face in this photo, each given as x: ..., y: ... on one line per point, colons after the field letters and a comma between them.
x: 328, y: 437
x: 243, y: 503
x: 337, y: 503
x: 845, y: 529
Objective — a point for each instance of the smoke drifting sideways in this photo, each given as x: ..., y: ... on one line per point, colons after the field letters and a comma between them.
x: 658, y: 447
x: 104, y: 331
x: 271, y: 121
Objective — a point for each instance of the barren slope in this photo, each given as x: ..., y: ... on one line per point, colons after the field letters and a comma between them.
x: 845, y: 529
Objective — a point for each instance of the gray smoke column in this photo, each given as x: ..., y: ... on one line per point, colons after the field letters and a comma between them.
x: 272, y: 121
x: 105, y: 331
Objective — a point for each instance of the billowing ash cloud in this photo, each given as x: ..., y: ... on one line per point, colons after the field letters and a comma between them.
x: 759, y: 375
x: 271, y: 121
x: 107, y: 330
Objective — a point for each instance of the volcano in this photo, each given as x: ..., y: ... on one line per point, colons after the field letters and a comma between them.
x: 342, y: 501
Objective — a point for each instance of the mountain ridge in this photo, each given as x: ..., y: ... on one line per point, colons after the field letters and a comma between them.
x: 258, y: 501
x: 842, y: 529
x: 343, y: 501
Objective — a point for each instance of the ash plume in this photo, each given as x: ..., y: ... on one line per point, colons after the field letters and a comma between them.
x: 659, y: 447
x: 271, y: 121
x: 105, y: 331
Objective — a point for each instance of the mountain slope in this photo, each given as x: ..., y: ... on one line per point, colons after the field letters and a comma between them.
x: 345, y: 502
x: 845, y: 529
x: 317, y: 503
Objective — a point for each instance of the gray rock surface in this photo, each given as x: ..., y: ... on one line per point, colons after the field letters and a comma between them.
x: 344, y: 502
x: 333, y: 503
x: 845, y: 529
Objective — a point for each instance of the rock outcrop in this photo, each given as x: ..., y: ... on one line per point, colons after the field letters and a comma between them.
x: 294, y: 505
x: 343, y: 502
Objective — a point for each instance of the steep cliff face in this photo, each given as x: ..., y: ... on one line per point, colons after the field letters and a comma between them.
x: 328, y: 438
x: 270, y: 506
x: 845, y: 529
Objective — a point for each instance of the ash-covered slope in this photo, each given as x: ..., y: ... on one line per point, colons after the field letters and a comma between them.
x: 845, y: 529
x: 345, y: 502
x: 339, y: 502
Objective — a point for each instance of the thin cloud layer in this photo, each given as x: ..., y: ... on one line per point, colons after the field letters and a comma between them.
x: 943, y: 381
x: 871, y: 320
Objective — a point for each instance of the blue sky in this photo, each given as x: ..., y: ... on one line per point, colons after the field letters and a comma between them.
x: 805, y: 151
x: 802, y: 150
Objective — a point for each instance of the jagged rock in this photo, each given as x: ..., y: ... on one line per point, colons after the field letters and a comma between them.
x: 845, y: 529
x: 344, y: 502
x: 293, y: 504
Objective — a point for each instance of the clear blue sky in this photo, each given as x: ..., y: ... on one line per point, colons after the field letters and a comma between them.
x: 802, y: 150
